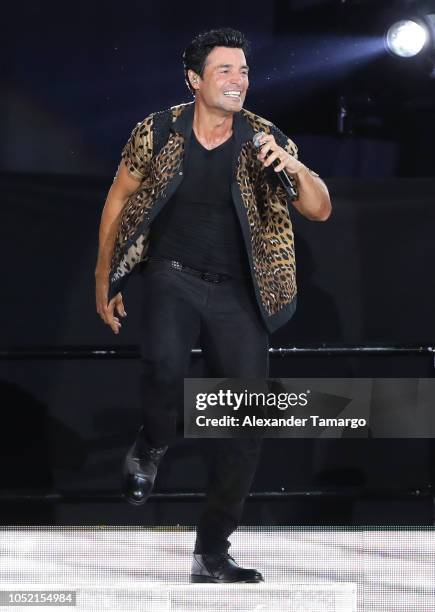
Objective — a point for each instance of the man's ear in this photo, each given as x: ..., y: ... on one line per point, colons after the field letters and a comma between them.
x: 193, y: 79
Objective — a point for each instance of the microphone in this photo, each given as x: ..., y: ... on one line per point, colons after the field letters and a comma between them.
x: 282, y: 174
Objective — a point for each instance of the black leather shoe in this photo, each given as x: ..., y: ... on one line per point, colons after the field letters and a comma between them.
x: 140, y: 469
x: 221, y: 567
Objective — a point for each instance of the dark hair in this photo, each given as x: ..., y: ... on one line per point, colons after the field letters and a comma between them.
x: 196, y: 52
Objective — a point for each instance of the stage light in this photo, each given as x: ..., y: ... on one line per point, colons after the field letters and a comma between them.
x: 406, y: 38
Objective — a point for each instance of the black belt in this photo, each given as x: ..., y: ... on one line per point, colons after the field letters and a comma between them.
x: 210, y: 277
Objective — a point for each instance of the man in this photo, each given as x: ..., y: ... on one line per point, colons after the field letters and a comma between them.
x: 204, y: 214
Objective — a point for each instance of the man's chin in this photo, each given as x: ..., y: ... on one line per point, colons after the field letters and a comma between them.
x: 233, y: 106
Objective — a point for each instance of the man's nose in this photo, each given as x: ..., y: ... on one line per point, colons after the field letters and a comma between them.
x: 236, y: 79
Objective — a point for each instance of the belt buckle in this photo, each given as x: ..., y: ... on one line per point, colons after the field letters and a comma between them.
x: 210, y: 277
x: 176, y: 264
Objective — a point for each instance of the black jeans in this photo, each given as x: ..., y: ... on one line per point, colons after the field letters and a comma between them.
x: 178, y: 309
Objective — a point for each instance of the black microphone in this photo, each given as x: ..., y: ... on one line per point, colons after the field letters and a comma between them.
x: 282, y: 174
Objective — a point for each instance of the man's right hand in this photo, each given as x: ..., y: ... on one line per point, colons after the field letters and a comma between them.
x: 104, y: 309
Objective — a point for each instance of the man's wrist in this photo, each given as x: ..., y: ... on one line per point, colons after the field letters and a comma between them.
x: 300, y: 171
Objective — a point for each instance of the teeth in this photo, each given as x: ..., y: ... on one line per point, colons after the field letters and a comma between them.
x: 232, y: 93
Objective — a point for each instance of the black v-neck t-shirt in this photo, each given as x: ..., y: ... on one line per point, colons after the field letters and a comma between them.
x: 199, y: 226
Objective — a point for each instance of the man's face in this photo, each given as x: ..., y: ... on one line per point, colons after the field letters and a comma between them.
x: 225, y: 80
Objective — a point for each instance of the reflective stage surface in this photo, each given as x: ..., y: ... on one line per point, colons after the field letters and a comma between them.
x: 311, y: 569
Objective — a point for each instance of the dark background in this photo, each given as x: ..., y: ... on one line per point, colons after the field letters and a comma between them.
x: 75, y: 81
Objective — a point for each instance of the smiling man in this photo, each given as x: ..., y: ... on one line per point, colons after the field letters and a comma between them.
x: 201, y: 214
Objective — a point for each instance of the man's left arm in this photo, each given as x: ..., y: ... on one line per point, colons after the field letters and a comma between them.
x: 313, y: 197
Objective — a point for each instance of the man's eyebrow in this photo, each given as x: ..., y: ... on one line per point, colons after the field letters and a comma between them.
x: 245, y: 66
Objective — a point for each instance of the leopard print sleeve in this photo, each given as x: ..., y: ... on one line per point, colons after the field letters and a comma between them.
x: 138, y: 150
x: 291, y: 147
x: 286, y: 143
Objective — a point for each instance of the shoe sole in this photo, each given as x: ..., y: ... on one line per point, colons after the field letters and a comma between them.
x: 194, y: 578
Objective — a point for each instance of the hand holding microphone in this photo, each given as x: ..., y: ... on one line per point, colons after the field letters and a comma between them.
x: 283, y: 162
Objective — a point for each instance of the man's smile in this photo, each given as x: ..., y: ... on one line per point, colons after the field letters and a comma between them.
x: 233, y: 94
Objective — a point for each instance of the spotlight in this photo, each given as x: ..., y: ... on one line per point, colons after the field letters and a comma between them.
x: 406, y: 38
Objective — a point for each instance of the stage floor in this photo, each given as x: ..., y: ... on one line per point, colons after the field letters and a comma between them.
x: 315, y: 569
